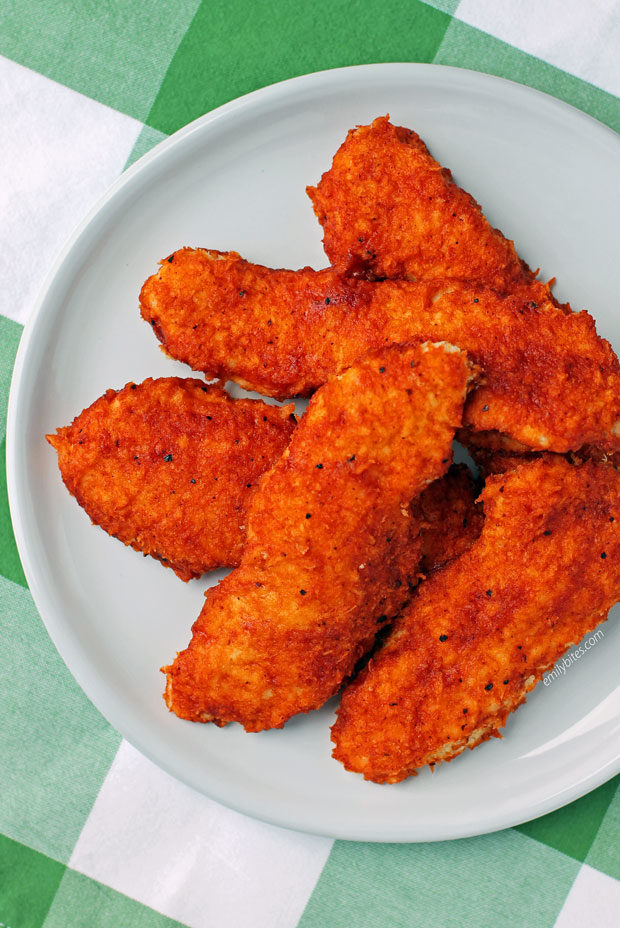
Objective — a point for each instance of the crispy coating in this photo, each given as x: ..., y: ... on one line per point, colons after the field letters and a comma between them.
x: 482, y: 632
x: 450, y: 518
x: 550, y: 381
x: 168, y: 466
x: 388, y: 209
x: 331, y: 547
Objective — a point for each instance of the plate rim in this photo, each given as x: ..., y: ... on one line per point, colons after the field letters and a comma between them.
x: 76, y: 660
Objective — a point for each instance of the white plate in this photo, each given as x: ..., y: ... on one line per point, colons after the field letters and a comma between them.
x: 546, y: 175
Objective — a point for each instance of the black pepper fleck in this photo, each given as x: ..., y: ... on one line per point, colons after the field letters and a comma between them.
x: 319, y: 467
x: 327, y: 301
x: 489, y: 686
x: 167, y: 457
x: 443, y: 637
x: 603, y: 555
x: 308, y: 515
x: 303, y: 592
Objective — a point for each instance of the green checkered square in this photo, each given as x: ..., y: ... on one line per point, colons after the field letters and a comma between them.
x: 231, y: 49
x: 28, y: 884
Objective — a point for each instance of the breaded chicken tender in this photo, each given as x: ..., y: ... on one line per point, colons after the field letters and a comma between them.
x: 331, y: 548
x: 168, y: 466
x: 388, y: 209
x: 550, y: 382
x: 482, y: 632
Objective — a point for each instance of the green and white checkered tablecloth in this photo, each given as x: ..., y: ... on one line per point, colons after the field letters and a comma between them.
x: 91, y: 833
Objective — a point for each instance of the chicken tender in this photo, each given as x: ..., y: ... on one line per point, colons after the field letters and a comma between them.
x: 331, y: 549
x: 482, y: 632
x: 388, y: 209
x: 550, y: 382
x: 168, y: 466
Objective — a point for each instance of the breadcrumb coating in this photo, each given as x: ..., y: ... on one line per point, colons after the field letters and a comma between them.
x: 550, y: 382
x: 481, y: 632
x: 169, y: 466
x: 388, y: 209
x: 332, y: 548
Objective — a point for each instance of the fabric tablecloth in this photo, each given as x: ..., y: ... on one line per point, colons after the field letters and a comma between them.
x: 91, y: 833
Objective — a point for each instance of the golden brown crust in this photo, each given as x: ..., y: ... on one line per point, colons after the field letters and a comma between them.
x: 168, y: 466
x: 275, y: 331
x: 331, y: 547
x: 482, y: 632
x: 388, y: 209
x: 550, y: 382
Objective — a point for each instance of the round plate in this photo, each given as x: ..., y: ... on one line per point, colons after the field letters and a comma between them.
x: 549, y: 177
